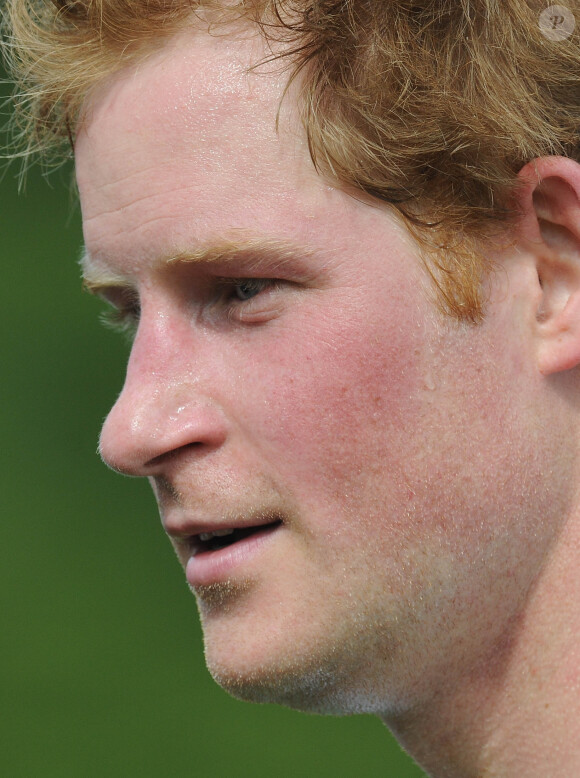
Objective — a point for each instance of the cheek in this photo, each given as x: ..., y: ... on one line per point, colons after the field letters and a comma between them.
x: 339, y: 400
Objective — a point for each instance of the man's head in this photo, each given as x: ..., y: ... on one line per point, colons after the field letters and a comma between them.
x: 362, y: 488
x: 335, y: 405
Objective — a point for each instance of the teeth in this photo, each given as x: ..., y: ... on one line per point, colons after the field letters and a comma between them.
x: 218, y: 533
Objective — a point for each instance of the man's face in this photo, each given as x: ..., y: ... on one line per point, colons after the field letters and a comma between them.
x: 291, y: 379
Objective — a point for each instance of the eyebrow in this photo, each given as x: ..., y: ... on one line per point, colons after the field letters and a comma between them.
x: 255, y: 253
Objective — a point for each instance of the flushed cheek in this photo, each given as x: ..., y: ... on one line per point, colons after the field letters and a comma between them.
x: 340, y: 410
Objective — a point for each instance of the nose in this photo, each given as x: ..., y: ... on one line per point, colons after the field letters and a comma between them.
x: 164, y: 407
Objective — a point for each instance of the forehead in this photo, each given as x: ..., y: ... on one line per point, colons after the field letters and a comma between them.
x: 195, y: 146
x: 190, y: 87
x: 192, y: 118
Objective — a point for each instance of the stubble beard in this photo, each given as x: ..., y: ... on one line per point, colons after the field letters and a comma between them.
x: 333, y: 674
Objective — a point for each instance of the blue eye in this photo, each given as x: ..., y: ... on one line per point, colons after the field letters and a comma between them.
x: 248, y: 288
x: 247, y: 300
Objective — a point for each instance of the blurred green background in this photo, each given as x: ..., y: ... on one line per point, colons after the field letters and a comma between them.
x: 101, y: 664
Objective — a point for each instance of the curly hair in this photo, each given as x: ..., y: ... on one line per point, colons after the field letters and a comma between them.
x: 432, y: 106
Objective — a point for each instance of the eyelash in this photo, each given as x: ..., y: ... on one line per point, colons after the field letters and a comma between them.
x: 124, y: 316
x: 227, y: 288
x: 122, y: 319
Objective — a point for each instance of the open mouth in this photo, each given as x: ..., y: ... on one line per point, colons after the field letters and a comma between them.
x: 222, y: 538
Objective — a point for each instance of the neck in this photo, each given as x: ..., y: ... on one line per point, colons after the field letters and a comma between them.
x: 519, y: 712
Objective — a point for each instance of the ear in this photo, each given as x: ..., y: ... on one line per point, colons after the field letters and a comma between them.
x: 549, y: 200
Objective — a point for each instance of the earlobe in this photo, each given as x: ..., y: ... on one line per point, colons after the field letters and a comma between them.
x: 550, y: 225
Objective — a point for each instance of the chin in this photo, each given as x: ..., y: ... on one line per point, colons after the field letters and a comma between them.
x: 304, y: 691
x: 323, y: 681
x: 258, y: 651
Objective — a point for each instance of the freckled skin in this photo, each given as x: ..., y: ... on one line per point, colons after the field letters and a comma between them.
x: 388, y: 437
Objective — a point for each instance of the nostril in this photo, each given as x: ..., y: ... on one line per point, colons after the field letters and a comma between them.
x: 174, y: 453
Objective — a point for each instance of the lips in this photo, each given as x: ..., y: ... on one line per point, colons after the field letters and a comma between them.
x: 215, y: 553
x: 223, y: 538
